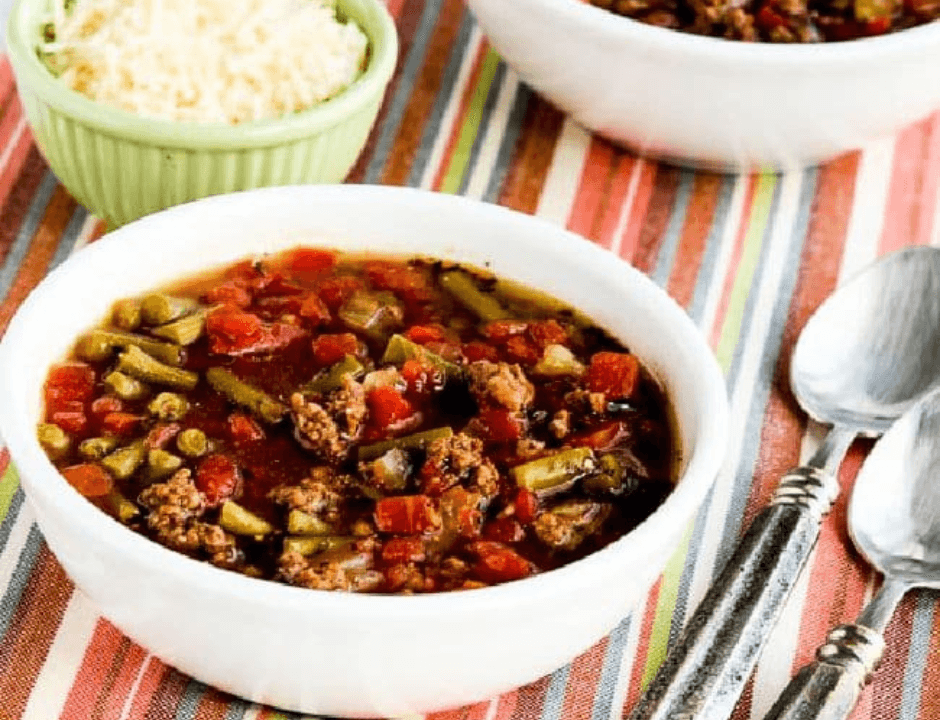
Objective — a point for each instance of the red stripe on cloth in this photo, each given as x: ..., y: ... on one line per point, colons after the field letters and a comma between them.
x: 593, y: 198
x: 166, y: 698
x: 468, y: 92
x: 643, y: 647
x: 35, y: 621
x: 735, y: 260
x: 506, y: 705
x: 912, y: 192
x: 95, y: 673
x: 147, y: 687
x: 10, y: 116
x: 816, y: 279
x: 643, y: 195
x: 584, y: 676
x: 657, y: 218
x: 41, y: 251
x: 6, y: 76
x: 11, y: 174
x: 114, y: 700
x: 699, y: 218
x: 530, y: 700
x: 213, y: 705
x: 4, y: 460
x: 17, y: 205
x: 888, y: 681
x: 394, y: 7
x: 458, y: 713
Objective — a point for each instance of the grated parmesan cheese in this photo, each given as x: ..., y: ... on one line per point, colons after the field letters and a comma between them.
x: 226, y: 61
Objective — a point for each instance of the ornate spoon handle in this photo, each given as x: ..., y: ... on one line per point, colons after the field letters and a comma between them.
x: 829, y: 686
x: 704, y: 674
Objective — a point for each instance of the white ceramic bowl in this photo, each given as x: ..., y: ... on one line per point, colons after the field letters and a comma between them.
x: 337, y: 653
x: 710, y: 102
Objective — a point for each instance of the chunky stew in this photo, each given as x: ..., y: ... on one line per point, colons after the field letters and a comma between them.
x: 368, y: 424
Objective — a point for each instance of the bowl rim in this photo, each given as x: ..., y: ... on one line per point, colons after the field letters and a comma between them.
x: 366, y: 89
x: 672, y: 43
x: 701, y: 470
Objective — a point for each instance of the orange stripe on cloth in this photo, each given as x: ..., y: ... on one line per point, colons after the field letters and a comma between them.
x: 41, y: 251
x: 476, y: 711
x: 658, y: 213
x: 532, y: 157
x: 32, y: 629
x: 104, y: 656
x: 912, y: 192
x: 699, y: 218
x: 11, y: 172
x: 6, y: 77
x: 583, y: 678
x: 121, y: 685
x: 601, y: 192
x: 629, y: 240
x: 213, y: 705
x: 147, y: 688
x: 469, y: 90
x: 639, y: 668
x: 506, y: 706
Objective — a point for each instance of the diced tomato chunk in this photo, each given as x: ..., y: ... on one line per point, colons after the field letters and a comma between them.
x: 476, y: 350
x: 217, y: 476
x: 278, y: 285
x: 281, y: 304
x: 421, y: 378
x: 520, y: 350
x: 160, y: 435
x: 231, y: 293
x: 70, y: 381
x: 500, y: 425
x: 407, y: 282
x: 71, y: 417
x: 526, y: 504
x: 497, y: 563
x: 614, y: 374
x: 336, y: 290
x: 387, y: 406
x: 423, y: 334
x: 106, y: 404
x: 500, y: 331
x: 601, y: 438
x: 400, y: 550
x: 243, y: 429
x: 504, y: 530
x: 120, y: 423
x: 406, y: 515
x: 89, y: 479
x: 328, y: 349
x: 229, y: 329
x: 547, y: 332
x: 314, y: 309
x: 304, y: 262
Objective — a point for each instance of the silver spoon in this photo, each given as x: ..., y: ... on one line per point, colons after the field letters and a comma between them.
x: 868, y: 353
x: 894, y: 521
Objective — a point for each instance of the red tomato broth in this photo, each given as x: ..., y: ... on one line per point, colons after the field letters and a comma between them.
x: 421, y: 548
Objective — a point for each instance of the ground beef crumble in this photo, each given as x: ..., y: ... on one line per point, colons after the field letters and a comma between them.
x: 329, y: 429
x: 459, y: 459
x: 500, y: 385
x: 319, y: 494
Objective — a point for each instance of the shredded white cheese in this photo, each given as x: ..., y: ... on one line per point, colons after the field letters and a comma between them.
x: 204, y: 60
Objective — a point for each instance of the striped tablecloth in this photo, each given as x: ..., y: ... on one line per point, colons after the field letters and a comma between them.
x: 749, y: 257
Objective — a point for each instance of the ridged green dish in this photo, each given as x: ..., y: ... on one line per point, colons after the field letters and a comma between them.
x: 122, y: 166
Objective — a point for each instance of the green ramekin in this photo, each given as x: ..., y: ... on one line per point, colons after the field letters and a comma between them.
x: 122, y: 166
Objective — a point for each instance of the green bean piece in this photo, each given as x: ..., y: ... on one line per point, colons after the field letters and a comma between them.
x: 94, y: 347
x: 159, y: 309
x: 138, y: 364
x: 558, y: 361
x: 374, y: 314
x: 185, y: 331
x: 390, y: 471
x: 248, y: 396
x: 399, y: 349
x: 54, y: 440
x: 96, y: 340
x: 518, y: 293
x: 553, y: 472
x: 125, y: 387
x: 126, y: 314
x: 169, y: 406
x: 124, y: 462
x: 417, y: 441
x: 332, y: 378
x: 301, y: 523
x: 122, y: 508
x: 465, y: 291
x: 97, y: 447
x: 192, y: 442
x: 161, y: 464
x: 609, y: 476
x: 314, y: 545
x: 241, y: 521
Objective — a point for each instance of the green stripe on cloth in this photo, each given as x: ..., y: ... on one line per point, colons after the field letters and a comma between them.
x: 9, y: 482
x: 457, y: 167
x: 744, y: 280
